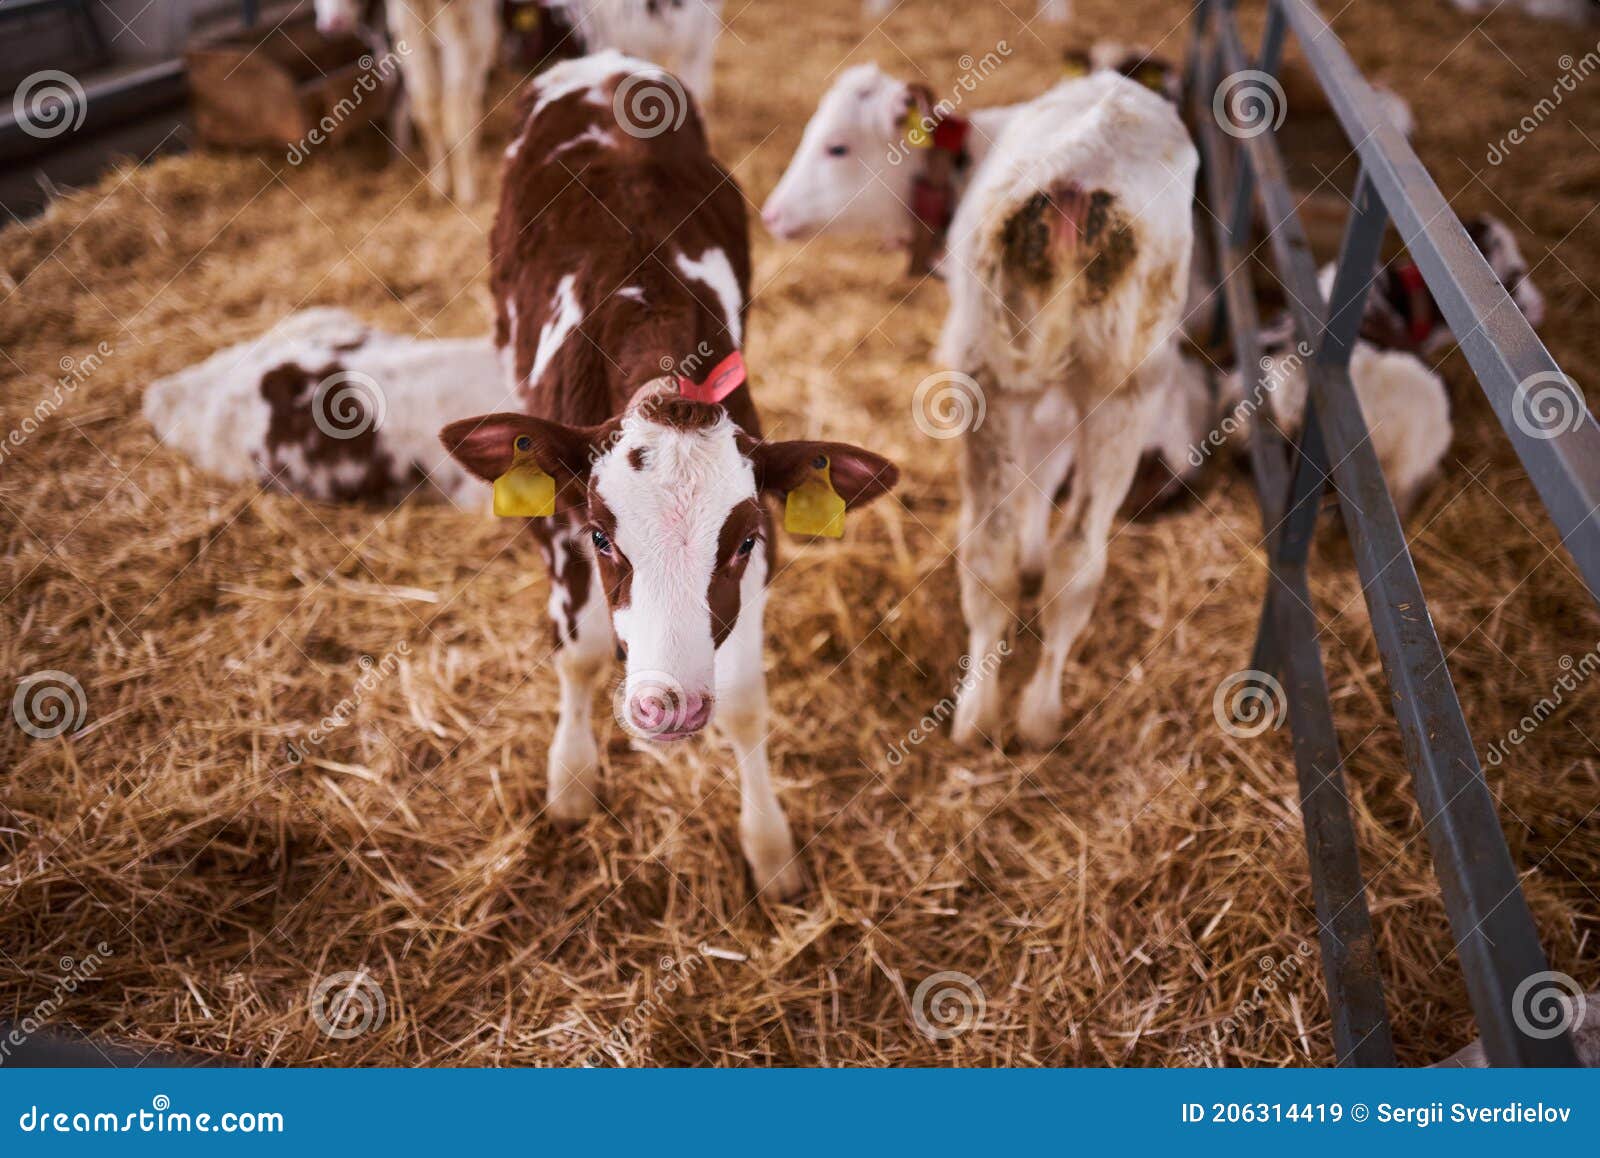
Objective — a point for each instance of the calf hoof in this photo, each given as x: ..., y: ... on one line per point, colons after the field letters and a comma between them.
x: 976, y: 721
x: 1039, y: 717
x: 574, y: 773
x: 572, y: 805
x: 773, y: 864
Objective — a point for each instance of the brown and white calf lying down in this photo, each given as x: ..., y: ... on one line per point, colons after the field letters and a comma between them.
x: 326, y: 406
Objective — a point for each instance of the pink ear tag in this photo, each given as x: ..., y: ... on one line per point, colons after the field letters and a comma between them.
x: 814, y: 507
x: 524, y: 491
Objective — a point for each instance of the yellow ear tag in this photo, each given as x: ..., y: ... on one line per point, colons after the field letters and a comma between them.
x: 1150, y: 76
x: 1074, y: 67
x: 916, y: 136
x: 814, y: 507
x: 524, y: 491
x: 526, y: 17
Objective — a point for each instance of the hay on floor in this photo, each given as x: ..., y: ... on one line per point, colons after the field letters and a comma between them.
x: 1139, y: 896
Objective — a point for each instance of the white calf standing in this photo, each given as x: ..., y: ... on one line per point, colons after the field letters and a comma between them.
x: 1068, y: 259
x: 679, y: 35
x: 447, y: 48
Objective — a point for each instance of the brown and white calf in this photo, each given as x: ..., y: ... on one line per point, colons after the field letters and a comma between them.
x: 1068, y: 256
x: 615, y: 258
x: 326, y: 406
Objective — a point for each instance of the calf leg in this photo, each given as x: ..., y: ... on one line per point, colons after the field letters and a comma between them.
x: 1108, y: 446
x: 741, y: 717
x: 583, y: 652
x: 697, y: 69
x: 989, y: 561
x: 468, y: 54
x: 420, y: 69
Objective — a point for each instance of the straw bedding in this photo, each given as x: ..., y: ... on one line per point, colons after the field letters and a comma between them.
x: 1139, y: 896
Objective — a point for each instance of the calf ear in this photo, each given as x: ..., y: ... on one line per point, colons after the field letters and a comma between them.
x: 489, y: 444
x: 859, y: 476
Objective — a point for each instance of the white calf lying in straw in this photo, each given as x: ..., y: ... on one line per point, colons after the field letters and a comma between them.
x: 1400, y: 312
x: 1405, y: 404
x: 679, y: 35
x: 1069, y: 247
x: 325, y: 406
x: 446, y: 49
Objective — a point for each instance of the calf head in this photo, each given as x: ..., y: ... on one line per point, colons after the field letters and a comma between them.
x: 849, y: 173
x: 1498, y: 245
x: 669, y: 498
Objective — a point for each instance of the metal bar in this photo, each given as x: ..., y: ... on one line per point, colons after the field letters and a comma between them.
x: 1510, y: 362
x: 1361, y: 1034
x: 1496, y: 939
x: 1353, y: 276
x: 1285, y: 235
x: 1288, y: 634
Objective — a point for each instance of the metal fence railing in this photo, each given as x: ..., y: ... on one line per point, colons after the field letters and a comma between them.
x: 1244, y: 177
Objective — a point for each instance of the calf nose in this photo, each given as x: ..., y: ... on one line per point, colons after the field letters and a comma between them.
x: 664, y: 713
x: 772, y: 219
x: 333, y: 25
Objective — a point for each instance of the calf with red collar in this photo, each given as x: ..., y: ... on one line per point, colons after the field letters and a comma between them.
x: 616, y: 256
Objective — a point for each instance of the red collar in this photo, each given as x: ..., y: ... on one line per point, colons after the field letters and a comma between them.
x: 727, y: 376
x: 933, y: 200
x: 1418, y: 301
x: 950, y: 134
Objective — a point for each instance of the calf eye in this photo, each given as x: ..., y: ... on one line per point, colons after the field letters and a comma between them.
x: 838, y: 150
x: 600, y: 541
x: 746, y: 547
